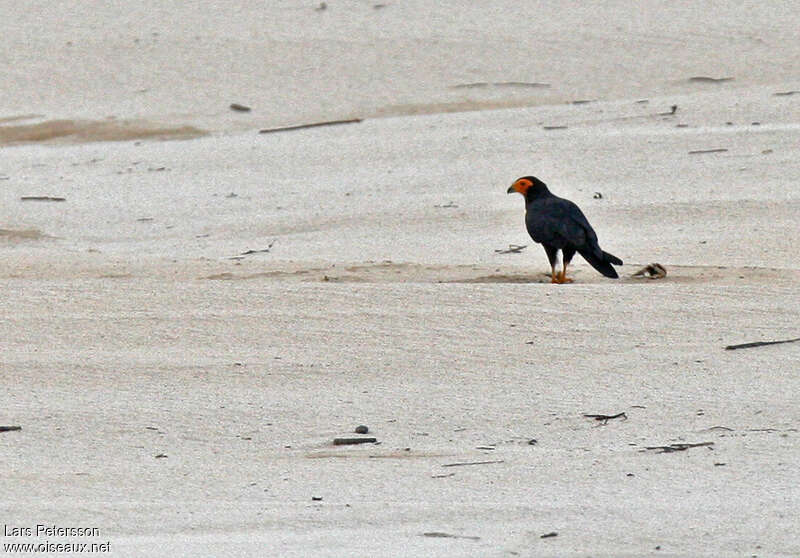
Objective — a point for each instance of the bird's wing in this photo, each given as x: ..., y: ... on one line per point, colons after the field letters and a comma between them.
x: 559, y: 222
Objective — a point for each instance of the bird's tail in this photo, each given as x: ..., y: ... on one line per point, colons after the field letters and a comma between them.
x: 611, y: 258
x: 603, y: 262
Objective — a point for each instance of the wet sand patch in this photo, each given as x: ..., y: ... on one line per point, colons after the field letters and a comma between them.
x: 17, y: 235
x: 86, y: 131
x: 413, y: 109
x: 395, y: 272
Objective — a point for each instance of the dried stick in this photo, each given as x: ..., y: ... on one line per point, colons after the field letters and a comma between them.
x: 760, y: 344
x: 312, y: 125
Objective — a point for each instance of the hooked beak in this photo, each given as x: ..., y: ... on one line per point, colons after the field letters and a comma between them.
x: 511, y: 190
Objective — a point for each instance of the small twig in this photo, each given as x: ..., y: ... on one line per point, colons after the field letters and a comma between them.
x: 439, y: 535
x: 312, y: 125
x: 461, y: 464
x: 771, y: 430
x: 43, y: 198
x: 470, y: 85
x: 606, y: 418
x: 678, y: 447
x: 247, y: 253
x: 533, y: 84
x: 353, y: 441
x: 9, y: 428
x: 700, y: 151
x: 706, y: 79
x: 262, y: 251
x: 512, y: 249
x: 760, y: 344
x: 717, y: 429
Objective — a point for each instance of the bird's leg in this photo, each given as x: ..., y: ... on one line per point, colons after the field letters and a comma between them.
x: 563, y: 276
x: 554, y: 255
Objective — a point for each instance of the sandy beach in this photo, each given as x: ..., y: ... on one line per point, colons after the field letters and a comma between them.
x: 193, y: 310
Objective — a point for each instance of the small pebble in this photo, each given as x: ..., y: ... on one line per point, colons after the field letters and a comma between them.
x: 361, y: 429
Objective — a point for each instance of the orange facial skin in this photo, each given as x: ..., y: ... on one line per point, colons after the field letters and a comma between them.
x: 521, y: 186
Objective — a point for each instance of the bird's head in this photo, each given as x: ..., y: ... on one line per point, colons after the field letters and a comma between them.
x: 522, y: 185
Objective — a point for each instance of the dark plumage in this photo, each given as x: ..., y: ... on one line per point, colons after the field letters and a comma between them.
x: 561, y: 227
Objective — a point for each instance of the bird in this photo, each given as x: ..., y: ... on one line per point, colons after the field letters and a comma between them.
x: 562, y: 229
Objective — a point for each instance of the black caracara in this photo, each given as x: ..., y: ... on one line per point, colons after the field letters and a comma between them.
x: 561, y: 227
